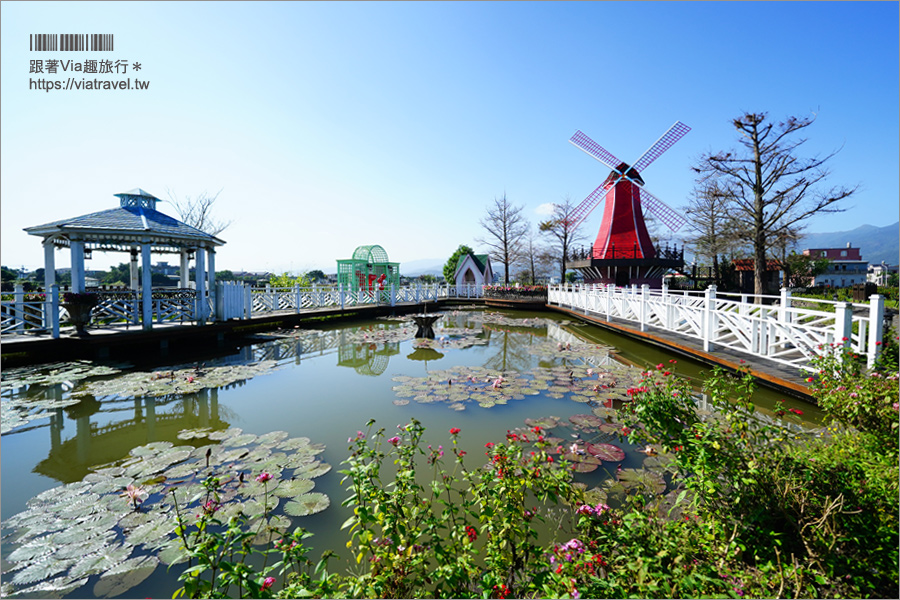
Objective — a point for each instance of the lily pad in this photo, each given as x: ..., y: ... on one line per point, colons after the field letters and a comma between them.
x: 642, y: 480
x: 606, y: 452
x: 586, y: 421
x: 307, y: 504
x: 125, y: 576
x: 543, y: 422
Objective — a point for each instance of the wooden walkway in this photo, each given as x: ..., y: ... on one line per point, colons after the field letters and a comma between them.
x: 780, y: 377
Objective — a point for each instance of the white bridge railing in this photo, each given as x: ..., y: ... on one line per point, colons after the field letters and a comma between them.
x: 268, y: 299
x: 781, y: 332
x: 41, y: 314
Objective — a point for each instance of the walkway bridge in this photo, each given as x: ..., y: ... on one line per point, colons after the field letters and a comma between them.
x: 779, y: 328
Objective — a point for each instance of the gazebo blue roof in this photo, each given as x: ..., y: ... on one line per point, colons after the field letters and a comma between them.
x: 136, y: 219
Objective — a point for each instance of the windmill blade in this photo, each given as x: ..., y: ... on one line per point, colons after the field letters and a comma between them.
x: 668, y: 139
x: 587, y: 205
x: 662, y: 211
x: 595, y: 150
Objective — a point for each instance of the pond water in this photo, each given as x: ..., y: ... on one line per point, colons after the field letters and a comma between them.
x: 73, y: 434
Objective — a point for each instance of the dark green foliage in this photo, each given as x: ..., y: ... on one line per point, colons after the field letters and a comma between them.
x: 450, y: 266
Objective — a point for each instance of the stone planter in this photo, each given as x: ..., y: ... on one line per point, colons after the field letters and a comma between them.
x: 79, y: 316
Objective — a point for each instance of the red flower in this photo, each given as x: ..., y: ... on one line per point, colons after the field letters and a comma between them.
x: 472, y: 533
x: 489, y: 445
x: 454, y: 430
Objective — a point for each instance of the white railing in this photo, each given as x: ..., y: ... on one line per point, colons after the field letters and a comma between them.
x: 42, y: 313
x: 777, y: 331
x: 268, y: 299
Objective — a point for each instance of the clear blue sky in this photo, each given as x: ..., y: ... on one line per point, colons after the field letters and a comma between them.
x: 332, y: 125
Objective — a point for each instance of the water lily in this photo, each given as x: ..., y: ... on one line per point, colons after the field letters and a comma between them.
x: 263, y: 477
x: 134, y: 493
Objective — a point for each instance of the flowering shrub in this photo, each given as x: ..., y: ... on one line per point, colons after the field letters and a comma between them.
x: 219, y: 554
x: 857, y: 397
x: 756, y: 509
x: 471, y: 532
x: 511, y: 291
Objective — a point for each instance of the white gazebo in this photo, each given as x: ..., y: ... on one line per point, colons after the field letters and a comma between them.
x: 135, y: 227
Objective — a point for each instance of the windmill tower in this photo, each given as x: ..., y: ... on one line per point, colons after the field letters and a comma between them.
x: 623, y: 253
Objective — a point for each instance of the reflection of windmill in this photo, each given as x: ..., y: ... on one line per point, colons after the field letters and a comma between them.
x: 623, y: 253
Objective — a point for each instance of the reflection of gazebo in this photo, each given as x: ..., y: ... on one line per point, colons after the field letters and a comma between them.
x: 95, y: 444
x: 366, y: 268
x: 136, y: 227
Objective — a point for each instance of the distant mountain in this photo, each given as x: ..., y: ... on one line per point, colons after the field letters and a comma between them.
x: 424, y: 266
x: 876, y: 244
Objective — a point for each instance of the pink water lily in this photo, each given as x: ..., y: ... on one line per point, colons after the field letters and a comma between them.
x: 134, y: 493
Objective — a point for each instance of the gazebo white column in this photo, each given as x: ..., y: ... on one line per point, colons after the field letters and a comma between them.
x: 133, y: 283
x: 185, y: 272
x: 146, y: 288
x: 200, y: 284
x: 49, y: 280
x: 49, y: 265
x: 77, y: 250
x: 211, y: 283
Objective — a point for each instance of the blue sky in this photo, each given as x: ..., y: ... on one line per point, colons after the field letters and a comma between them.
x: 333, y: 125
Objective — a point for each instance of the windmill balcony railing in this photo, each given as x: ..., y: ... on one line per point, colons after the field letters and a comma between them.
x: 633, y: 252
x: 765, y: 326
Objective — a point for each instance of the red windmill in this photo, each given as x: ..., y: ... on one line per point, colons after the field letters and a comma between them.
x: 623, y: 252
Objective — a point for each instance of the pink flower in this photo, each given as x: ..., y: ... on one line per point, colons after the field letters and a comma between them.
x: 134, y: 493
x: 395, y: 441
x: 267, y: 583
x: 263, y: 477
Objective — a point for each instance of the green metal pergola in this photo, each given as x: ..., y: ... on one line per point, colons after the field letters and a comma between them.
x: 366, y: 268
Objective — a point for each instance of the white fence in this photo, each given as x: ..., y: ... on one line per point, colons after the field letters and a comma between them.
x: 779, y: 331
x: 41, y: 314
x: 261, y: 300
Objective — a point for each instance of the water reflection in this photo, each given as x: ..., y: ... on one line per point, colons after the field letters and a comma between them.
x: 96, y: 443
x: 367, y: 359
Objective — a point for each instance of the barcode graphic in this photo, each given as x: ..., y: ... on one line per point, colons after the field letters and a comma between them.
x: 70, y: 42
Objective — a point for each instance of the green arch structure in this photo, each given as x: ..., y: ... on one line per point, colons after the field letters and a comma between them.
x: 366, y: 267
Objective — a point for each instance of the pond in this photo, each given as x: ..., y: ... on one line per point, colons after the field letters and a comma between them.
x: 76, y: 434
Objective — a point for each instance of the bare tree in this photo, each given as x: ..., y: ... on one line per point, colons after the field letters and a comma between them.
x: 197, y: 212
x: 769, y: 189
x: 506, y: 228
x: 531, y: 257
x: 563, y: 231
x: 710, y: 226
